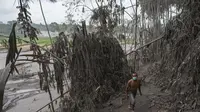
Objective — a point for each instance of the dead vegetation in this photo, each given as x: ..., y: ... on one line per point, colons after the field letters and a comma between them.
x: 178, y: 69
x: 95, y: 63
x: 97, y: 66
x: 97, y: 70
x: 43, y: 59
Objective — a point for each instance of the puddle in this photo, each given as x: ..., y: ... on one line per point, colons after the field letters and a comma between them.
x: 14, y: 82
x: 30, y: 102
x: 26, y: 90
x: 12, y: 99
x: 30, y: 79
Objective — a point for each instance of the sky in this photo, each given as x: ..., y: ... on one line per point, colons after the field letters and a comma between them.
x: 54, y: 12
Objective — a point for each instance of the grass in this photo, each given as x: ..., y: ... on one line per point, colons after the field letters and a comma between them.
x: 42, y: 41
x: 45, y: 41
x: 1, y: 38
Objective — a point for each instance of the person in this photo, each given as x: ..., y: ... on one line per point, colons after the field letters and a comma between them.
x: 131, y: 90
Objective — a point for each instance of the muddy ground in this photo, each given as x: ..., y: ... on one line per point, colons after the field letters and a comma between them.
x: 144, y: 103
x: 23, y: 94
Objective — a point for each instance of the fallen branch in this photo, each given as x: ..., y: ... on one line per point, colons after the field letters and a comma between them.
x: 51, y: 102
x: 160, y: 37
x: 5, y: 73
x: 39, y: 61
x: 59, y: 59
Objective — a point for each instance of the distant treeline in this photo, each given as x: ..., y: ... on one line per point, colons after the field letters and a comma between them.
x: 5, y: 28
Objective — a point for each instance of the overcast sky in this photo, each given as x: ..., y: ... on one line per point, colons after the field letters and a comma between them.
x: 54, y: 12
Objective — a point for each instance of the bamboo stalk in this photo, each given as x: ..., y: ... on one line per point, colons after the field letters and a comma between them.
x: 136, y: 17
x: 45, y: 22
x: 44, y: 68
x: 123, y: 26
x: 50, y: 96
x: 160, y: 37
x: 57, y: 58
x: 51, y: 102
x: 35, y: 61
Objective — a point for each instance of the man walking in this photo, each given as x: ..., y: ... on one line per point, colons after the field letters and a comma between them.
x: 131, y: 90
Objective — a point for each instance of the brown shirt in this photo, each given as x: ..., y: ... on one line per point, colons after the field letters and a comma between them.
x: 133, y: 85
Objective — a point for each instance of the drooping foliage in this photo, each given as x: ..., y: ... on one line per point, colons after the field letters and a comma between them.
x: 97, y: 70
x: 108, y: 15
x: 43, y: 59
x: 158, y: 7
x: 178, y: 69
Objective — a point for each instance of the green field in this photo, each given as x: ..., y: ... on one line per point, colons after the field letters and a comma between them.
x: 42, y: 41
x: 45, y: 41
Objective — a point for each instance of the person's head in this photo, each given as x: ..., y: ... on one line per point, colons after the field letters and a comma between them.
x: 134, y: 76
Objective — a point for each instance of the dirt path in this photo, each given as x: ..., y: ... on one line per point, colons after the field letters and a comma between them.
x: 143, y: 103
